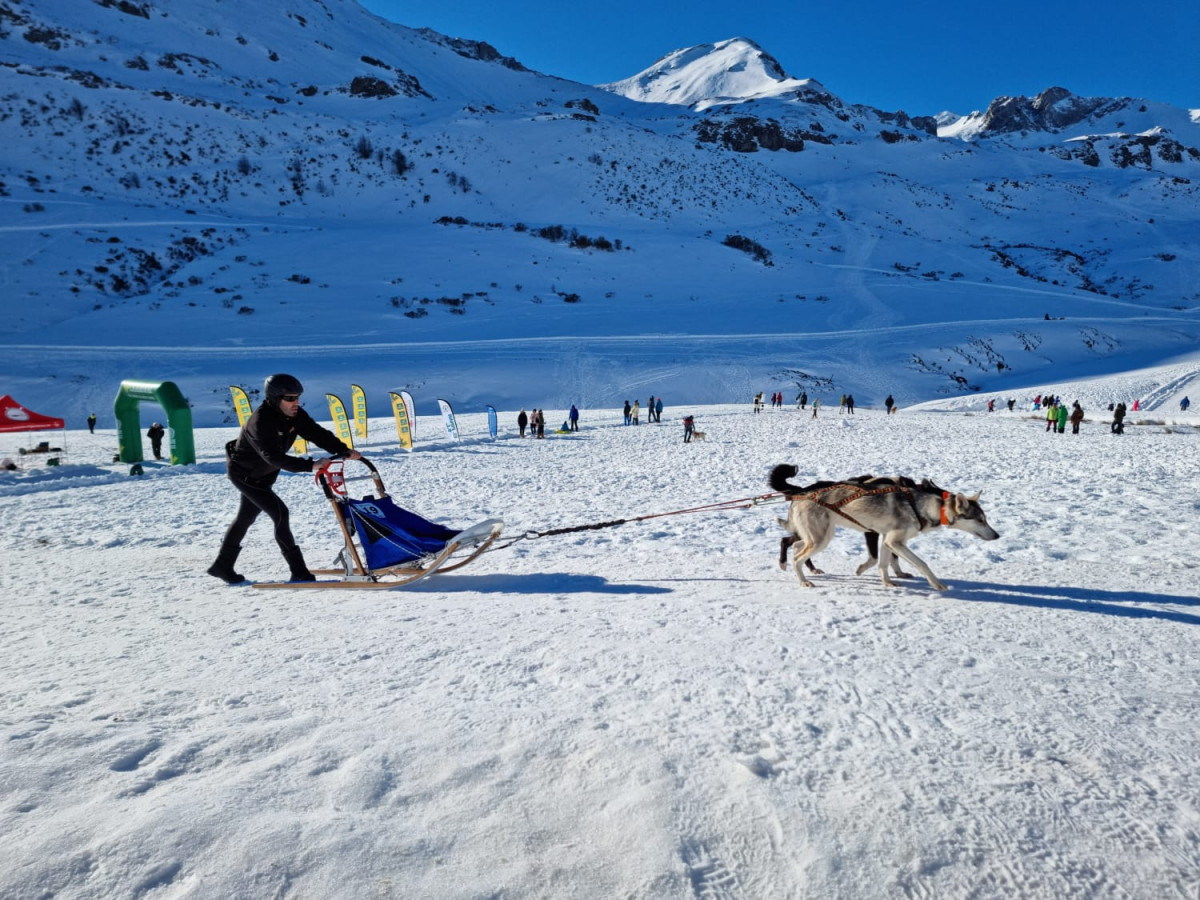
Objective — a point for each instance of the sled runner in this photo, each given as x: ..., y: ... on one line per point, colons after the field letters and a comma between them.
x: 385, y: 546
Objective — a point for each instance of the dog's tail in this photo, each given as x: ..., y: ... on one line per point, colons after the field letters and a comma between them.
x: 779, y: 479
x: 782, y: 472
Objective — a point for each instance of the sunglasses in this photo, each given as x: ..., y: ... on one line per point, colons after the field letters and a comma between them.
x: 290, y: 398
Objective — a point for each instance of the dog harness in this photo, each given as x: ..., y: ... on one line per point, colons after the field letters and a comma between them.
x: 860, y: 492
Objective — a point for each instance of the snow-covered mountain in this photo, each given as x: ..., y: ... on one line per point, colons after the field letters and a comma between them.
x: 729, y: 71
x: 1056, y: 111
x: 191, y: 185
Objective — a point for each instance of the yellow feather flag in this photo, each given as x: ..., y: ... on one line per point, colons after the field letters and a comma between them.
x: 403, y: 428
x: 341, y: 425
x: 241, y: 404
x: 358, y: 399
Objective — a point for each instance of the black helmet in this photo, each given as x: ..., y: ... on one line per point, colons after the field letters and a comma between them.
x: 276, y: 386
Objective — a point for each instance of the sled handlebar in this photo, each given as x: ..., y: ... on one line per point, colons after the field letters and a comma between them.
x: 332, y: 478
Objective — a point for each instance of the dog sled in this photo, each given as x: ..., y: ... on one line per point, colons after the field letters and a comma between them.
x: 384, y: 545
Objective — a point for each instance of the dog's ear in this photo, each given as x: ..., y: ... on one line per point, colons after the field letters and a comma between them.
x: 962, y: 502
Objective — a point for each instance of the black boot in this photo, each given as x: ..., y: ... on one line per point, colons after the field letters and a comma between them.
x: 295, y: 560
x: 223, y: 567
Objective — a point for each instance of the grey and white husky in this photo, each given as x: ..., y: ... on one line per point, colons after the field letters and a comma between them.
x: 896, y: 509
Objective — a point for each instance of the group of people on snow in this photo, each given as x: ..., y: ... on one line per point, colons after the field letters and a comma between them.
x: 534, y: 421
x: 633, y: 412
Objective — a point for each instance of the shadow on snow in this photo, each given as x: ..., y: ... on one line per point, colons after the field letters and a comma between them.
x: 1111, y: 603
x: 534, y: 583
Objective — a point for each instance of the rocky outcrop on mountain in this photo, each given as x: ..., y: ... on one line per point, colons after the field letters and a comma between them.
x: 747, y: 134
x: 480, y: 50
x: 1125, y: 150
x: 1053, y: 109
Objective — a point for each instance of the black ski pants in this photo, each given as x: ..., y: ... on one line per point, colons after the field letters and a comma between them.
x: 259, y: 498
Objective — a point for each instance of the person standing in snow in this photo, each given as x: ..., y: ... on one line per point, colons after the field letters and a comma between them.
x: 689, y: 425
x: 628, y: 412
x: 573, y: 418
x: 635, y: 413
x: 803, y: 399
x: 155, y: 433
x: 1076, y: 417
x: 658, y: 410
x: 889, y: 403
x: 1118, y: 422
x: 849, y: 404
x: 522, y: 421
x: 1051, y: 417
x: 816, y: 403
x: 92, y: 422
x: 1184, y: 404
x: 1061, y: 412
x: 253, y: 462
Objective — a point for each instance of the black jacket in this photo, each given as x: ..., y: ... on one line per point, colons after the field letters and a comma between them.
x: 261, y: 449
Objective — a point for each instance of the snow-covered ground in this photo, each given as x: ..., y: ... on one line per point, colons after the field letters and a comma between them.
x: 649, y: 710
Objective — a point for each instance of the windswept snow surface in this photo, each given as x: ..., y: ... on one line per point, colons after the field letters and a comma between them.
x: 649, y: 710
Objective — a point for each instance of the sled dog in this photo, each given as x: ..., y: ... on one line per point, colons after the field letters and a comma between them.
x: 897, y: 510
x: 779, y: 482
x: 699, y: 436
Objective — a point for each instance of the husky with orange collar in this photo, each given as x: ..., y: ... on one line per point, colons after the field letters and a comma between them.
x: 897, y: 509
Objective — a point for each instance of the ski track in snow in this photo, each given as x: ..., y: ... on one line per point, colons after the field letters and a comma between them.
x: 649, y: 710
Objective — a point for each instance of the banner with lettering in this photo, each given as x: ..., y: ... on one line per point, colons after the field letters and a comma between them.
x: 358, y: 399
x: 403, y: 423
x: 448, y: 418
x: 241, y: 404
x: 412, y: 411
x: 341, y: 425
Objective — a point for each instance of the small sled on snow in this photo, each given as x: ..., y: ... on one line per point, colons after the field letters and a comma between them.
x: 386, y: 546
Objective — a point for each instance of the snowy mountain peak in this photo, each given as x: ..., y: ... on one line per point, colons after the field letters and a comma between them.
x: 729, y: 71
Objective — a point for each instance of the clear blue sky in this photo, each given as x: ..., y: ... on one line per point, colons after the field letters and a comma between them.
x: 922, y: 57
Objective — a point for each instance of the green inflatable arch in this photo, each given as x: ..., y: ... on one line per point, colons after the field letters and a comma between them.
x: 179, y: 420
